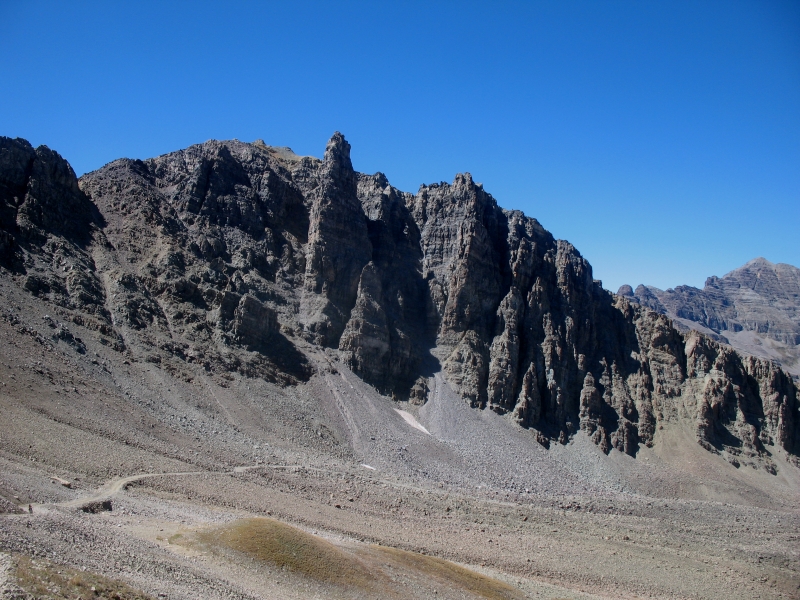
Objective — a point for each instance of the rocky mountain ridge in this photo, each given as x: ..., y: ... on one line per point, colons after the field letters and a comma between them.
x: 755, y: 309
x: 229, y: 256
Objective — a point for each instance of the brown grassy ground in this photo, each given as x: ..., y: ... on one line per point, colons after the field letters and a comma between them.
x: 286, y: 547
x: 45, y: 580
x: 376, y: 571
x: 446, y: 572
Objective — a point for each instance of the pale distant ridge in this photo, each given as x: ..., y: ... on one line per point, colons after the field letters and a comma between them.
x: 755, y: 308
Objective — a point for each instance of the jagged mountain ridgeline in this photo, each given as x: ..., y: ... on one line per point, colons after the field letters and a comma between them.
x: 232, y: 256
x: 755, y: 309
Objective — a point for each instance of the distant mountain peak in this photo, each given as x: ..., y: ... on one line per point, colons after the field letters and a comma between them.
x: 755, y: 308
x: 759, y: 261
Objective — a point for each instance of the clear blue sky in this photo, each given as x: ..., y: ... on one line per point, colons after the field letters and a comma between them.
x: 661, y: 138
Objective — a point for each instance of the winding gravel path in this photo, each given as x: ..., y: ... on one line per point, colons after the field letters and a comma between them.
x: 113, y: 487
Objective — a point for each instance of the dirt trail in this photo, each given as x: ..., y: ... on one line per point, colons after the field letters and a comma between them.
x: 113, y: 487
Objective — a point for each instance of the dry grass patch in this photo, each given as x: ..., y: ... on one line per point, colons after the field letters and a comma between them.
x: 284, y: 546
x: 451, y: 574
x: 362, y: 571
x: 45, y: 580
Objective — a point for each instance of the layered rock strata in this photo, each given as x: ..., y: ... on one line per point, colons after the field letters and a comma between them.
x: 231, y: 255
x: 755, y: 309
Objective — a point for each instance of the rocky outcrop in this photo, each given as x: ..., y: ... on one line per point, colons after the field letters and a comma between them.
x: 743, y: 404
x: 39, y: 194
x: 46, y: 224
x: 338, y: 245
x: 755, y: 308
x: 228, y: 254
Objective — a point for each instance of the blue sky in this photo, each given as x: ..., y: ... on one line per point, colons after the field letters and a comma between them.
x: 661, y: 138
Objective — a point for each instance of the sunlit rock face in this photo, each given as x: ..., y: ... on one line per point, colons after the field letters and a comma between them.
x: 233, y: 255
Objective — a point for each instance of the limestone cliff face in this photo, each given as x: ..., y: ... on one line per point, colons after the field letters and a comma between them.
x: 739, y: 400
x: 338, y: 245
x: 227, y: 254
x: 390, y: 330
